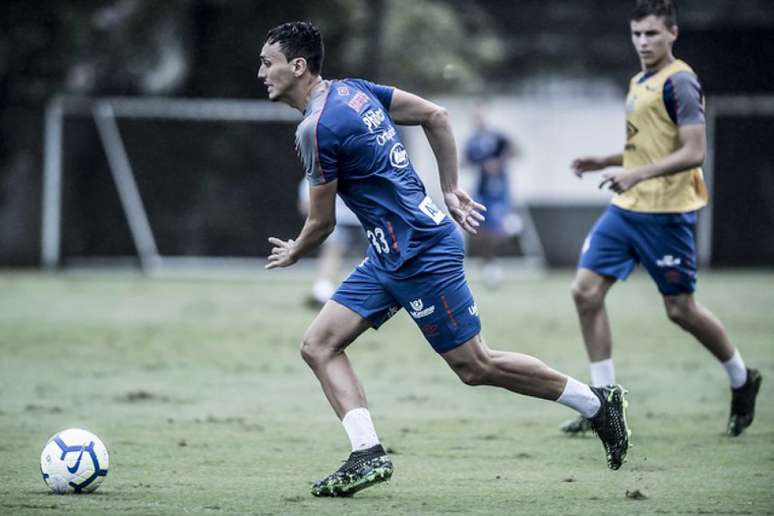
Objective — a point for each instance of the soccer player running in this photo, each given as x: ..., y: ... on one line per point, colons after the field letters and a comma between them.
x: 348, y: 143
x: 653, y: 212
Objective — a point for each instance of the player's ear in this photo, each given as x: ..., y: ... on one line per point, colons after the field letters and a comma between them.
x: 299, y: 66
x: 674, y: 31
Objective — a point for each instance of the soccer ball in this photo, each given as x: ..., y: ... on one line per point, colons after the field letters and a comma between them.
x: 74, y: 461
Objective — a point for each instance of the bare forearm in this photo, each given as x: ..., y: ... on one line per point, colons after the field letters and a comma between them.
x: 441, y: 138
x: 311, y: 236
x: 614, y: 160
x: 683, y: 159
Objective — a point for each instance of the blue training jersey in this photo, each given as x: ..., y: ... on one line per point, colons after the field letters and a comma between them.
x: 347, y: 134
x: 487, y: 149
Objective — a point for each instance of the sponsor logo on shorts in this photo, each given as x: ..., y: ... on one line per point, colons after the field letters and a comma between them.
x: 430, y: 330
x: 668, y: 261
x: 673, y: 276
x: 418, y: 309
x: 473, y: 310
x: 358, y: 101
x: 394, y: 309
x: 399, y: 156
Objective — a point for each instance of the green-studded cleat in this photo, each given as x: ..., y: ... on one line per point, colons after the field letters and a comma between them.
x: 610, y: 423
x: 743, y: 403
x: 362, y: 469
x: 576, y: 426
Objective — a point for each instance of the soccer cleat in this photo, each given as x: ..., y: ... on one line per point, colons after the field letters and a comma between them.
x: 743, y: 403
x: 362, y: 469
x: 577, y: 426
x: 610, y: 423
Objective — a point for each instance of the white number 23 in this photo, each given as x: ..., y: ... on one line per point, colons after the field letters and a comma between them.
x: 378, y: 240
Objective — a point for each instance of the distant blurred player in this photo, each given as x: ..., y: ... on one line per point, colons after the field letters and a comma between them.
x: 332, y: 250
x: 349, y: 144
x: 652, y: 216
x: 489, y: 151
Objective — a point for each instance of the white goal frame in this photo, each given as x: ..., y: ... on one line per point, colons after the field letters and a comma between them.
x: 105, y: 112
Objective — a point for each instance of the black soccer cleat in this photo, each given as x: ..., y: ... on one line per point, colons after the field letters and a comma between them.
x: 576, y: 426
x: 743, y: 403
x: 610, y: 423
x: 362, y: 469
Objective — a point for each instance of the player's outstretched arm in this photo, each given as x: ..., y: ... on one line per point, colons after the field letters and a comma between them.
x: 319, y: 224
x: 585, y: 164
x: 409, y: 109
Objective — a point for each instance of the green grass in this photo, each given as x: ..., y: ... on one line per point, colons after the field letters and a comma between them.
x: 199, y: 392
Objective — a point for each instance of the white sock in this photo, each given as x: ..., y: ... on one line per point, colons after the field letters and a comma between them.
x: 602, y: 373
x: 360, y: 429
x: 322, y: 290
x: 579, y: 396
x: 737, y: 372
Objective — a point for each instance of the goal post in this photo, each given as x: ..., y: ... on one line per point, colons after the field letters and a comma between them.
x: 105, y: 113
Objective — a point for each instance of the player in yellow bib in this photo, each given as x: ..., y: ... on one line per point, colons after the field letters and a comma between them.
x: 652, y: 216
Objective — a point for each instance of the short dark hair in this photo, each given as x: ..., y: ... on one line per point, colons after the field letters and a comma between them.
x: 666, y: 9
x: 299, y: 39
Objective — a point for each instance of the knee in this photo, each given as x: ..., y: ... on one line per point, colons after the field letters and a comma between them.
x: 315, y: 349
x: 587, y: 297
x: 679, y: 312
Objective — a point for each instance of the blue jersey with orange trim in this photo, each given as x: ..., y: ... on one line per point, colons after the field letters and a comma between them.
x: 347, y: 135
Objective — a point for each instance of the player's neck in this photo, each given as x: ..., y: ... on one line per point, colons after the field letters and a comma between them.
x: 662, y: 63
x: 303, y: 91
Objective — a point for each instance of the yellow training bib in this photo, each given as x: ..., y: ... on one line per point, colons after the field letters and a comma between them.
x: 651, y: 135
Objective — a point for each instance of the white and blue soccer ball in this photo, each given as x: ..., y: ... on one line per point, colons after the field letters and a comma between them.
x: 74, y: 461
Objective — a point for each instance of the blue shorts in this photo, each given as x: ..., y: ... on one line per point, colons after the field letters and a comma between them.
x: 431, y: 287
x: 662, y: 242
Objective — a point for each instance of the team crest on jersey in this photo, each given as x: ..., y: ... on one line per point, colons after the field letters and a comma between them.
x: 630, y: 102
x: 399, y: 156
x: 357, y: 102
x: 343, y: 91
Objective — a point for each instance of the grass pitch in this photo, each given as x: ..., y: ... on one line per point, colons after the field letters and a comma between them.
x: 198, y: 390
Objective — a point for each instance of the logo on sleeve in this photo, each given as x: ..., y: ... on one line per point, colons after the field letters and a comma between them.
x: 418, y: 309
x: 428, y: 207
x: 399, y: 156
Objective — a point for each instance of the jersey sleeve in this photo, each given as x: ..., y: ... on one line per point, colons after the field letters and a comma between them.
x: 318, y: 148
x: 684, y: 99
x: 382, y: 93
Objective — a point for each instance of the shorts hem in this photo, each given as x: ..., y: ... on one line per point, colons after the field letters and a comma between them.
x: 344, y: 302
x: 459, y: 341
